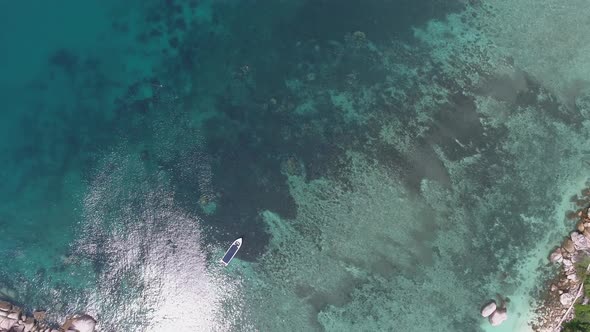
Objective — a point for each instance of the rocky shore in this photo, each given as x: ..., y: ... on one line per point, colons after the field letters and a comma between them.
x: 567, y: 288
x: 13, y: 319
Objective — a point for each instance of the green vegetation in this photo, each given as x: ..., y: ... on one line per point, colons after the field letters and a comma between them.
x: 582, y: 313
x: 576, y: 326
x: 581, y: 322
x: 581, y: 267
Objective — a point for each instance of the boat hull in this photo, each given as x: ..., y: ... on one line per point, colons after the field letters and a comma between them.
x: 231, y: 252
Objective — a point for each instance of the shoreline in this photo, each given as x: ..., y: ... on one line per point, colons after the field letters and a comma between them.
x: 14, y: 319
x: 567, y: 287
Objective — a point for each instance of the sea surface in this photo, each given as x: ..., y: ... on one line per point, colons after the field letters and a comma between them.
x: 390, y: 164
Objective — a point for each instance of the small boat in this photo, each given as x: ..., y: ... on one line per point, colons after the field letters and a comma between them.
x: 231, y: 252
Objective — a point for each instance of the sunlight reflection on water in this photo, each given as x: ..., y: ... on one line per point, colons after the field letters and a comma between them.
x: 152, y: 267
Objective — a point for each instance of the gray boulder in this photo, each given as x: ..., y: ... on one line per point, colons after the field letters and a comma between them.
x: 580, y: 241
x: 488, y: 309
x: 566, y: 299
x: 498, y: 317
x: 568, y: 245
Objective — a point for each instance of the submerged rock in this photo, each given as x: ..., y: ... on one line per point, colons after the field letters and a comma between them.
x: 498, y: 317
x: 556, y: 256
x: 39, y: 315
x: 82, y: 323
x: 7, y: 293
x: 488, y: 309
x: 5, y: 306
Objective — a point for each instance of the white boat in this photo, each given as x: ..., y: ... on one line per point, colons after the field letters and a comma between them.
x: 231, y: 252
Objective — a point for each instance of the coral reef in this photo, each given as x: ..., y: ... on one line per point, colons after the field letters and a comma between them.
x: 403, y: 149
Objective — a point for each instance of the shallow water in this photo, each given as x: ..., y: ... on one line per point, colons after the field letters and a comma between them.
x: 390, y: 165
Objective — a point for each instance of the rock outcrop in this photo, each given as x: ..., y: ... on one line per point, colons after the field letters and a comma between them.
x: 580, y: 241
x: 498, y: 317
x: 556, y: 256
x: 495, y: 313
x: 565, y: 288
x: 569, y: 246
x: 12, y: 319
x: 488, y: 309
x: 566, y: 299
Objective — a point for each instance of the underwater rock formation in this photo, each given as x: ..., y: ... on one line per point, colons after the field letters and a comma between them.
x: 12, y: 319
x: 82, y: 323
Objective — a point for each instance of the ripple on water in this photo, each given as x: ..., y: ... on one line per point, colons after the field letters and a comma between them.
x: 154, y: 273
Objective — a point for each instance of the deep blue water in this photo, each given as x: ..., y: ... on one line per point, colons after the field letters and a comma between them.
x: 369, y: 157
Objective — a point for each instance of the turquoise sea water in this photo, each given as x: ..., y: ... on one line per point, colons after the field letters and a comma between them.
x: 391, y: 165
